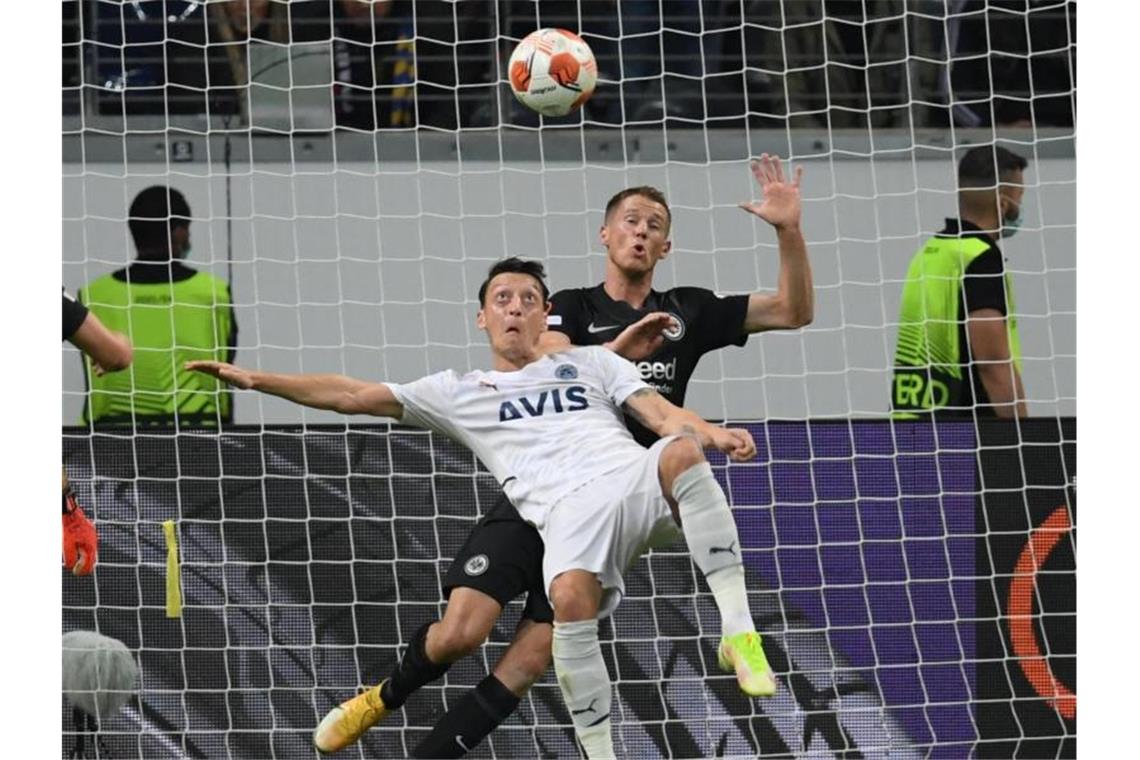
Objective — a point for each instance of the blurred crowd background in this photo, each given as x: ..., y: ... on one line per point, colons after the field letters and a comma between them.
x: 371, y: 64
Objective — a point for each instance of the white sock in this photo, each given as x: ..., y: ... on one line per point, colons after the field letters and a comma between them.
x: 585, y: 684
x: 710, y: 532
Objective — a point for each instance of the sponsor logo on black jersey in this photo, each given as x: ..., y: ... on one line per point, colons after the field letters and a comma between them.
x: 676, y: 329
x: 556, y: 401
x: 657, y: 370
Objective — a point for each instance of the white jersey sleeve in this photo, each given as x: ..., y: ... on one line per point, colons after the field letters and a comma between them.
x: 429, y: 401
x: 620, y: 379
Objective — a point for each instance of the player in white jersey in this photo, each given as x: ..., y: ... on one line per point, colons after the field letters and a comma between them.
x: 550, y: 429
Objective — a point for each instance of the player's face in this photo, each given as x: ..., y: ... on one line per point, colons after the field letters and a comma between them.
x: 636, y: 235
x: 513, y: 313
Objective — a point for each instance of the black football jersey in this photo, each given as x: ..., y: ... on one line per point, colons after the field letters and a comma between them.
x: 74, y: 313
x: 705, y: 322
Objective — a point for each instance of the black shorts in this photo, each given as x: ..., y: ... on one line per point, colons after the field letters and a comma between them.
x: 503, y: 558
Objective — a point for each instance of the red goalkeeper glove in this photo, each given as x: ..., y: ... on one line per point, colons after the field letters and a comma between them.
x: 80, y: 541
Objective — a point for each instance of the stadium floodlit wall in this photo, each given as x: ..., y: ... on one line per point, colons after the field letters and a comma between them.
x: 915, y: 585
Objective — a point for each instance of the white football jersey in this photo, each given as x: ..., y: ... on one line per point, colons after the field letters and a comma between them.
x: 544, y: 430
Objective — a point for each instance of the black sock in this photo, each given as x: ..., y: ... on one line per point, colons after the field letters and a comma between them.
x: 412, y: 672
x: 474, y: 716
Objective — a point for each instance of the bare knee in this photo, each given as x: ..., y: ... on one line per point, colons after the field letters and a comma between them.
x: 681, y: 454
x: 575, y: 595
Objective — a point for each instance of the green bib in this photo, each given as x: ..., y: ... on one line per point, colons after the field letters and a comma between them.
x: 169, y: 324
x: 929, y: 370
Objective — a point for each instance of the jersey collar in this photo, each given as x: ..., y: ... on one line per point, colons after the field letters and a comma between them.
x: 962, y: 228
x: 652, y: 302
x: 150, y: 272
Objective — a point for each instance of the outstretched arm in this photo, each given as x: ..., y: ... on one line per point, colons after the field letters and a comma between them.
x: 336, y: 393
x: 656, y: 412
x: 792, y: 305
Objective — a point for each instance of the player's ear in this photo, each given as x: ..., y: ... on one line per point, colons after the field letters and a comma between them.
x: 180, y: 240
x: 604, y: 235
x: 481, y: 320
x: 666, y: 248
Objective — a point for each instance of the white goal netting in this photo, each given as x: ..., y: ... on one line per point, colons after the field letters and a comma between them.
x: 353, y: 168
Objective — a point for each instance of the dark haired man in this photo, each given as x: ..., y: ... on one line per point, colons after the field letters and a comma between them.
x: 958, y: 351
x: 666, y: 333
x: 172, y: 314
x: 546, y: 427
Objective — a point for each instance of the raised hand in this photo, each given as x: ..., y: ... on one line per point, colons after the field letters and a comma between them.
x: 780, y: 206
x: 643, y: 337
x: 227, y: 373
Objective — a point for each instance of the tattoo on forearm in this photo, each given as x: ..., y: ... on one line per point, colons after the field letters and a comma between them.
x: 631, y: 408
x: 688, y: 431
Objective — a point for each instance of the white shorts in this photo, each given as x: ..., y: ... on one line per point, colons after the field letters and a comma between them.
x: 605, y: 525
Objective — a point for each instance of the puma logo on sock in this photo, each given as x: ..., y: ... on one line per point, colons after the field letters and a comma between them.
x: 587, y: 709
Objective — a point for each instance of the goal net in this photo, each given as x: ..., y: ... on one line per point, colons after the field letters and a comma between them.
x: 352, y: 169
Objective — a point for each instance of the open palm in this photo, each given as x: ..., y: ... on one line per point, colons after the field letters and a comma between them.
x: 780, y: 205
x: 227, y: 373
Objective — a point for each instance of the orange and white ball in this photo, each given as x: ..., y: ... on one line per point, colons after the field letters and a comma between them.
x: 553, y: 71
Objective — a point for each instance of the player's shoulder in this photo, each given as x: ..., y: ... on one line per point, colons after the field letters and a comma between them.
x: 455, y: 377
x: 989, y: 261
x: 568, y: 297
x: 578, y: 353
x: 689, y: 300
x: 588, y: 357
x: 446, y: 378
x: 102, y: 280
x: 688, y: 293
x: 591, y: 352
x: 211, y: 280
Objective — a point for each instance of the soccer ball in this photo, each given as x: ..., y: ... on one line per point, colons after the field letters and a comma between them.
x: 553, y: 71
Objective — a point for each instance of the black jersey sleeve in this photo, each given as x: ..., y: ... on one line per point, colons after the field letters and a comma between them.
x: 567, y: 315
x: 73, y: 315
x: 984, y: 284
x: 720, y: 319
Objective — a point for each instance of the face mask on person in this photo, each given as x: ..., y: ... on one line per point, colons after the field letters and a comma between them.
x: 1011, y: 222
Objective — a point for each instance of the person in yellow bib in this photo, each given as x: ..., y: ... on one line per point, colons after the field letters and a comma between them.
x: 172, y: 314
x: 958, y: 350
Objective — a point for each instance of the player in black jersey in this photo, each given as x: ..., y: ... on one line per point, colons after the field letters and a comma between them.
x: 665, y: 334
x: 636, y: 237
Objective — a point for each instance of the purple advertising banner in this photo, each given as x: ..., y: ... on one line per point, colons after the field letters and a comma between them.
x: 867, y: 529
